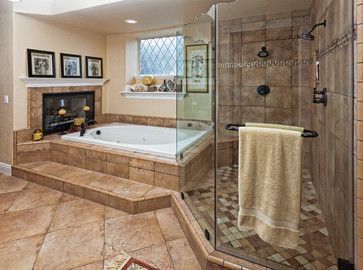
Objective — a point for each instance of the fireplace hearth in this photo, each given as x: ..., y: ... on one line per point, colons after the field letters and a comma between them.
x: 73, y: 104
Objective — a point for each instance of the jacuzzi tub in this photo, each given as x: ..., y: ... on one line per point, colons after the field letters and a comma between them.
x: 160, y: 141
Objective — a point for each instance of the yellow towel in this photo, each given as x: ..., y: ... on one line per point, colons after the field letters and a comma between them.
x: 266, y: 125
x: 269, y: 184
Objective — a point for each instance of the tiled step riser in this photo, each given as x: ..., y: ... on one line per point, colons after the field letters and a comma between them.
x: 145, y: 169
x: 137, y: 168
x: 129, y: 205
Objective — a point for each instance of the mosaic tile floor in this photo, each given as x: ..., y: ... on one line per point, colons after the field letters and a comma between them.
x: 314, y: 250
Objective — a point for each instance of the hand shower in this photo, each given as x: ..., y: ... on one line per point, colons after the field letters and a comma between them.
x: 309, y: 35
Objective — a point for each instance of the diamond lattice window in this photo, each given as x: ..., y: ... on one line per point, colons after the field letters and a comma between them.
x: 161, y: 56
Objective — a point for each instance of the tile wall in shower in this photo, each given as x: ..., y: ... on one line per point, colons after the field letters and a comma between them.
x: 286, y: 70
x: 331, y: 152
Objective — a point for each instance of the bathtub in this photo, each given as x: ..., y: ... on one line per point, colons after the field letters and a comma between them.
x: 160, y: 141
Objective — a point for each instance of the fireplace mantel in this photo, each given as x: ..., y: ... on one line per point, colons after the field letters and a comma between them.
x: 61, y: 82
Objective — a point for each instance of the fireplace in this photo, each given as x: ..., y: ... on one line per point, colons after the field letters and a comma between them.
x: 73, y: 104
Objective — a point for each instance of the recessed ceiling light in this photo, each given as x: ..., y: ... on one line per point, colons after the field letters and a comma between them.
x: 15, y: 1
x: 130, y: 21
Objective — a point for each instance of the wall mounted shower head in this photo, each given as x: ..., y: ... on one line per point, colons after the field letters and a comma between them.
x: 306, y: 36
x: 309, y: 35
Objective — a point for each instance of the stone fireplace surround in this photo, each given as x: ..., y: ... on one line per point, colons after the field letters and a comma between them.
x: 35, y: 100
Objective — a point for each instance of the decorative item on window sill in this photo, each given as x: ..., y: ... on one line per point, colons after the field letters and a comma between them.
x: 147, y: 80
x: 153, y: 88
x: 164, y: 87
x: 147, y: 86
x: 138, y: 88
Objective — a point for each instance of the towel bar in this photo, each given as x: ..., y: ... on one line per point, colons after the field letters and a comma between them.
x: 306, y: 133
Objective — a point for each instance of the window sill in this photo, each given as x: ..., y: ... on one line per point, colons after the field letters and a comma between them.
x: 153, y: 95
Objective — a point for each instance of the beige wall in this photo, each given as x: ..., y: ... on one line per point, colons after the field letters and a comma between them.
x: 120, y: 66
x: 36, y: 34
x: 6, y: 86
x: 123, y: 66
x: 122, y: 58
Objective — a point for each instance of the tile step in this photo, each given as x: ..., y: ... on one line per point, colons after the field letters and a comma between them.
x: 123, y: 194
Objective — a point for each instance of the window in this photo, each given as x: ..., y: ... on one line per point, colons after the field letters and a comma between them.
x: 161, y: 56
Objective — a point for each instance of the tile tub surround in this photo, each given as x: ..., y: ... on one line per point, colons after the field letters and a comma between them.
x: 65, y: 232
x: 148, y: 169
x: 139, y: 120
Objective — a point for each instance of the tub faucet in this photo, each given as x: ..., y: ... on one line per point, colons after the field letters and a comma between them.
x: 83, y: 130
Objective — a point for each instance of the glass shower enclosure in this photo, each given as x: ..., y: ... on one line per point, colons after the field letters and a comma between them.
x: 196, y: 118
x: 286, y: 62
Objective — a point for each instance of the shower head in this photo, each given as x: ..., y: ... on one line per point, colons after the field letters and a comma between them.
x: 309, y: 35
x: 306, y: 36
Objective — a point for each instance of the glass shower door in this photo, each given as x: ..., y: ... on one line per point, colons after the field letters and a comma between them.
x: 195, y: 120
x: 276, y: 63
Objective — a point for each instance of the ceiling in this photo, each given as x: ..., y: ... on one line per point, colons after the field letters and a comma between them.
x: 108, y: 16
x: 150, y: 14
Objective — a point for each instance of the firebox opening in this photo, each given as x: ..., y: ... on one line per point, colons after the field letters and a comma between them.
x: 72, y: 103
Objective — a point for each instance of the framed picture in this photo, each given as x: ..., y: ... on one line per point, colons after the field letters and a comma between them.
x: 94, y: 68
x: 71, y: 65
x: 197, y: 68
x: 41, y: 64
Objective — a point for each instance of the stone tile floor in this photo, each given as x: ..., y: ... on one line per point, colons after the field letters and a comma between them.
x: 314, y: 250
x: 41, y: 228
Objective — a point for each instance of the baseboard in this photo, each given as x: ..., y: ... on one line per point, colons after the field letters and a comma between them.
x: 5, y: 168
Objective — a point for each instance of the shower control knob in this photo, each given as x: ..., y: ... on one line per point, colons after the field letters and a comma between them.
x: 320, y: 97
x: 263, y: 90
